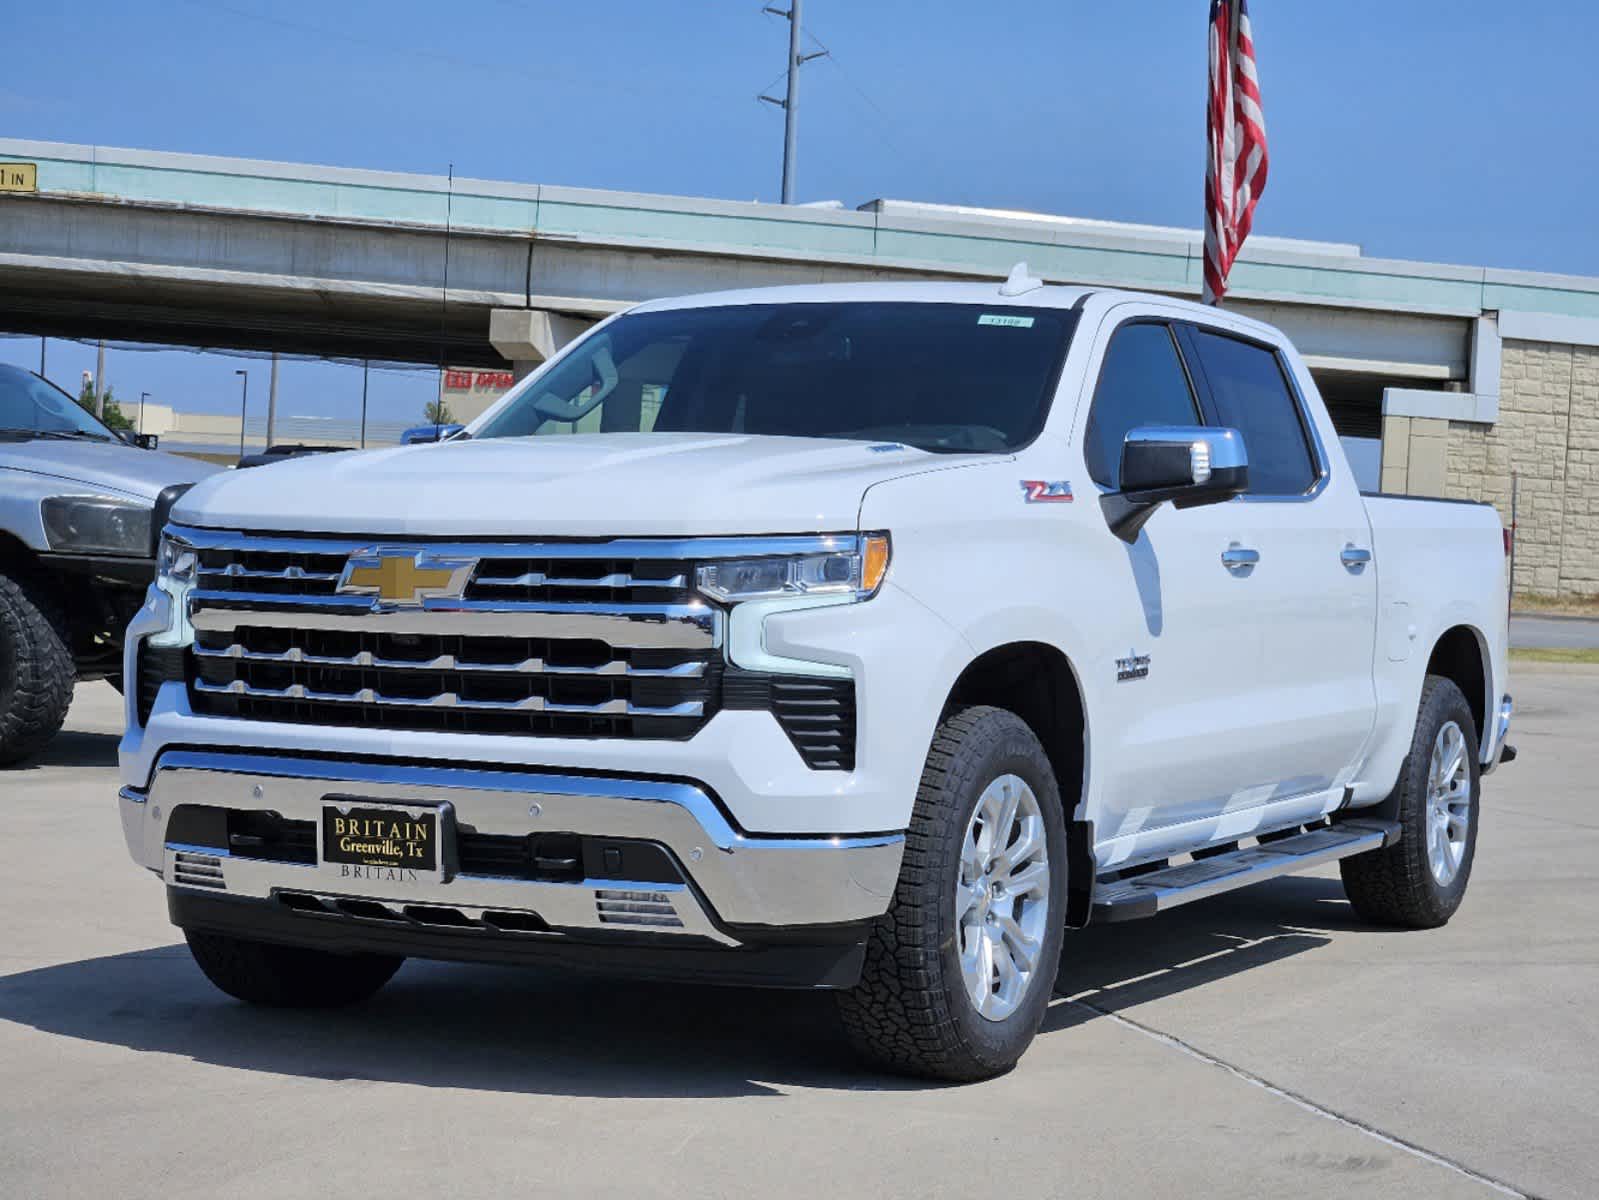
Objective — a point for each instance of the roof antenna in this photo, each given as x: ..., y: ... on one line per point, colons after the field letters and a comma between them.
x: 1019, y: 282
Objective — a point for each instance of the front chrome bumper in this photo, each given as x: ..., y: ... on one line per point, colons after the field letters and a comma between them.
x: 731, y: 880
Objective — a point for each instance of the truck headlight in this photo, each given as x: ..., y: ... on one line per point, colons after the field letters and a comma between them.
x: 96, y: 525
x: 175, y: 561
x: 854, y: 571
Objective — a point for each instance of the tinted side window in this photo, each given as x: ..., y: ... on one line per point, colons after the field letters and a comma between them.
x: 1141, y: 383
x: 1251, y: 395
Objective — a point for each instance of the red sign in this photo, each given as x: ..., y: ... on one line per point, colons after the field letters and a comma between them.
x: 477, y: 381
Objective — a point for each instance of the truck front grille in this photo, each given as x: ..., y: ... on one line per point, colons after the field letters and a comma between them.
x: 452, y: 682
x: 565, y: 639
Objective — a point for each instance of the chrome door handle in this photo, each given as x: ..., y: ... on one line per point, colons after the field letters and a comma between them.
x: 1239, y: 558
x: 1354, y: 557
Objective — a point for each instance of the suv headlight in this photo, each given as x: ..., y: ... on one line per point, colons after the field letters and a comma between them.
x: 175, y: 561
x: 854, y: 571
x: 95, y: 525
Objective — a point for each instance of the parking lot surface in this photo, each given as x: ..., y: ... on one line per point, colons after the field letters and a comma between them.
x: 1259, y: 1043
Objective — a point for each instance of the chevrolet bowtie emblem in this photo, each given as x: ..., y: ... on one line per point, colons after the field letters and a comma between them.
x: 404, y: 578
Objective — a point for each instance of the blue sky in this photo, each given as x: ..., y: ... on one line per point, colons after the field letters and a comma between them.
x: 1460, y: 131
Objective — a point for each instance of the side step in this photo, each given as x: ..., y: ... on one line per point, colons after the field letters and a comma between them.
x: 1155, y: 891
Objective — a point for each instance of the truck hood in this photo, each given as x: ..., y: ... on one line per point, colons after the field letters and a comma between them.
x: 103, y: 466
x: 585, y: 485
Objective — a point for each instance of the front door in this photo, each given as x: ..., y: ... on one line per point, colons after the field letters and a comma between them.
x: 1181, y: 648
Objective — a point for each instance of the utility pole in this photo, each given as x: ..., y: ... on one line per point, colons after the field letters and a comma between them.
x: 790, y: 105
x: 99, y: 381
x: 139, y: 427
x: 42, y: 342
x: 364, y: 366
x: 272, y: 402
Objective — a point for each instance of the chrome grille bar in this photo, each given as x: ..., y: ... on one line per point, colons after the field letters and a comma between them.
x: 633, y: 626
x: 618, y: 548
x: 298, y: 691
x: 533, y: 579
x: 235, y: 571
x: 449, y: 662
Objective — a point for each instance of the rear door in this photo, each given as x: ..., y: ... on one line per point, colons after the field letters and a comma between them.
x: 1313, y: 592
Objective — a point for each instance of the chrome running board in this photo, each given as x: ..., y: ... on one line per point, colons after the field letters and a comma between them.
x: 1155, y: 891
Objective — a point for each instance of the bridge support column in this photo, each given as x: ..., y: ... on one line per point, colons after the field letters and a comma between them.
x: 530, y: 336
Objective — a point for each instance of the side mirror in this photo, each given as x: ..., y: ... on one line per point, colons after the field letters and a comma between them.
x: 146, y: 441
x: 1188, y: 465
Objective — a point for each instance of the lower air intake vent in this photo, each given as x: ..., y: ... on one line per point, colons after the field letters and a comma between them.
x: 636, y: 908
x: 817, y: 713
x: 198, y: 870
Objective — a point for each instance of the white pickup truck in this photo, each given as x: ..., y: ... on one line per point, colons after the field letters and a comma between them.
x: 865, y: 637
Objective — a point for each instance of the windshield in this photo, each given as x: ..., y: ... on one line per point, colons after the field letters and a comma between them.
x: 33, y: 406
x: 942, y: 377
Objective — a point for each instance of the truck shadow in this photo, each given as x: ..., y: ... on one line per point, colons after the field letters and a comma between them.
x: 72, y: 748
x: 1108, y: 968
x: 524, y: 1031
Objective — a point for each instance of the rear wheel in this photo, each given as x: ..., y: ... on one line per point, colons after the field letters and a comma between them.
x: 288, y: 976
x: 36, y: 671
x: 1420, y: 881
x: 959, y: 971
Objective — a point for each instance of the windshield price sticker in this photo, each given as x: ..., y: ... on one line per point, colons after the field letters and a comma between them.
x: 1005, y: 319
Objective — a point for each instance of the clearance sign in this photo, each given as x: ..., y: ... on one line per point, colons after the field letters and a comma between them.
x: 19, y: 177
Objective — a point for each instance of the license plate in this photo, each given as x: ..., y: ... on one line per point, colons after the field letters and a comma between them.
x: 383, y: 842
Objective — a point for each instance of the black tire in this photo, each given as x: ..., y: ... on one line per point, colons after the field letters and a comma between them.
x: 911, y: 1012
x: 288, y: 976
x: 1396, y: 885
x: 36, y: 670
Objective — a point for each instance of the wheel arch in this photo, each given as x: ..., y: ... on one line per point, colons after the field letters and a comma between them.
x: 1461, y: 655
x: 14, y: 552
x: 1038, y: 682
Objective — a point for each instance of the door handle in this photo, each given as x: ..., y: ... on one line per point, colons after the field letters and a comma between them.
x: 1354, y: 557
x: 1239, y: 558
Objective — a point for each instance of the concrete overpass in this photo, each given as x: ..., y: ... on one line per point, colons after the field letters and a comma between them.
x: 1479, y: 381
x: 201, y: 251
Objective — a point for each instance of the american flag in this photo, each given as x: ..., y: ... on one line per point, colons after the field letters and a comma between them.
x: 1235, y: 136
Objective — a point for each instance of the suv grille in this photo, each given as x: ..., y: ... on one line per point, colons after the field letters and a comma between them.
x: 570, y: 639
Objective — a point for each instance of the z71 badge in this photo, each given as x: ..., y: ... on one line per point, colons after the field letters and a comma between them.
x: 1047, y: 491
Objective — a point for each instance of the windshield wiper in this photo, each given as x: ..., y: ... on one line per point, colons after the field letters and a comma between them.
x: 68, y: 434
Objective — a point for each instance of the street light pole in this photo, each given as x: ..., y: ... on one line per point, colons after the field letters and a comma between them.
x: 244, y: 407
x: 139, y: 427
x: 364, y: 367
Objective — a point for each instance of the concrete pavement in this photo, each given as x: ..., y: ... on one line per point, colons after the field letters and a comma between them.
x: 1259, y: 1043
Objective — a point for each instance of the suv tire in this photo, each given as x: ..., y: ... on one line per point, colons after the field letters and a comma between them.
x: 1419, y: 882
x: 36, y: 670
x: 916, y: 1008
x: 288, y: 976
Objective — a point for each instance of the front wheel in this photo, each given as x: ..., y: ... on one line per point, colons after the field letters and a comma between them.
x: 959, y: 971
x: 1420, y: 881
